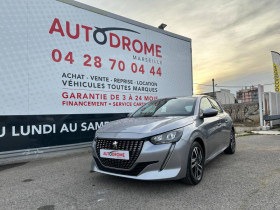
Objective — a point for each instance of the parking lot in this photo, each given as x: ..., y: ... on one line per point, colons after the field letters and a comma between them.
x: 249, y: 179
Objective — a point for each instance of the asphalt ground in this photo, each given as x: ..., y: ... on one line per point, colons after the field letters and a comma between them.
x: 249, y: 179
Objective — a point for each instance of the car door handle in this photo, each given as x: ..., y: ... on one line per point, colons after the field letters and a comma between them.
x: 226, y: 121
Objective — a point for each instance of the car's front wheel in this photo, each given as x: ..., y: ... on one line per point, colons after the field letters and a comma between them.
x: 195, y: 166
x: 232, y: 143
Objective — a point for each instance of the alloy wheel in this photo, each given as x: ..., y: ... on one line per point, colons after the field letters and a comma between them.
x: 196, y: 163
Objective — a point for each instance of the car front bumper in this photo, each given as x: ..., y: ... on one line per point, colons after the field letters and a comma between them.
x: 155, y: 162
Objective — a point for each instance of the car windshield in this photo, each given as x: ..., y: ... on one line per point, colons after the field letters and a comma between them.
x: 167, y: 107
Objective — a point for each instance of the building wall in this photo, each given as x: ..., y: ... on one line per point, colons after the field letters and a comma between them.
x: 225, y: 97
x: 245, y: 113
x: 272, y: 106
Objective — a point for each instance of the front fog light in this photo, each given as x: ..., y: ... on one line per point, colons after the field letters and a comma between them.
x: 168, y: 137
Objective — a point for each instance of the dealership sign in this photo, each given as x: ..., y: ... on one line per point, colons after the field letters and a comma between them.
x: 66, y: 71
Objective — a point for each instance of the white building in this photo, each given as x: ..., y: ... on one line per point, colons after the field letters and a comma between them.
x: 223, y: 96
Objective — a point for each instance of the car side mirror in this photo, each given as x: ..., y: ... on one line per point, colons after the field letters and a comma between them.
x: 209, y: 113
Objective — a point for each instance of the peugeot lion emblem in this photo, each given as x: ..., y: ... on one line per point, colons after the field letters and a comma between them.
x: 115, y: 144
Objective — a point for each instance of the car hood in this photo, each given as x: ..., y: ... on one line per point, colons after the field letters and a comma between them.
x: 141, y: 127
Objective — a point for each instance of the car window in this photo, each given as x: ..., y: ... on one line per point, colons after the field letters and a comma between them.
x: 216, y: 105
x: 204, y: 104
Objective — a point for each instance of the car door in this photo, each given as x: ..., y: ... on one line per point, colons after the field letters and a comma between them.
x: 211, y: 128
x: 224, y: 128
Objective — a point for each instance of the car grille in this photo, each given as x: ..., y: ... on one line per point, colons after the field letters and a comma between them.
x: 133, y: 172
x: 133, y: 146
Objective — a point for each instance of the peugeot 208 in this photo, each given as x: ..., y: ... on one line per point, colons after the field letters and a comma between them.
x: 166, y: 139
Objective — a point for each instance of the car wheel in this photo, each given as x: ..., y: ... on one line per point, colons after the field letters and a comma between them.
x: 232, y: 144
x: 195, y: 165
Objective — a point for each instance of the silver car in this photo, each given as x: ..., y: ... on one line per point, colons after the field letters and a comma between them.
x: 166, y: 139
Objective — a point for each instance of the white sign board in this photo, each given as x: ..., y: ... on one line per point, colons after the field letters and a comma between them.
x: 60, y: 59
x: 67, y: 69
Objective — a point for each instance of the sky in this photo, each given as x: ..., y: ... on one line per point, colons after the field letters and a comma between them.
x: 232, y: 40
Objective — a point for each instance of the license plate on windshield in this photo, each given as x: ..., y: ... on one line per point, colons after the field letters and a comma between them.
x: 114, y: 154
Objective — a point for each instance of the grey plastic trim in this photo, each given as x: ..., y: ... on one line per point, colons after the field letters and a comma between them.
x: 168, y: 156
x: 123, y: 19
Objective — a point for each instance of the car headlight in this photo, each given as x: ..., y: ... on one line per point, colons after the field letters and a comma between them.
x: 168, y: 137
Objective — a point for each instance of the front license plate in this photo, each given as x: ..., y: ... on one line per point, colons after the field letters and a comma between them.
x: 114, y: 154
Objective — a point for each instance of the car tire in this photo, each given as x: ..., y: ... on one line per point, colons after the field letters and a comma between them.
x: 195, y: 165
x: 232, y: 144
